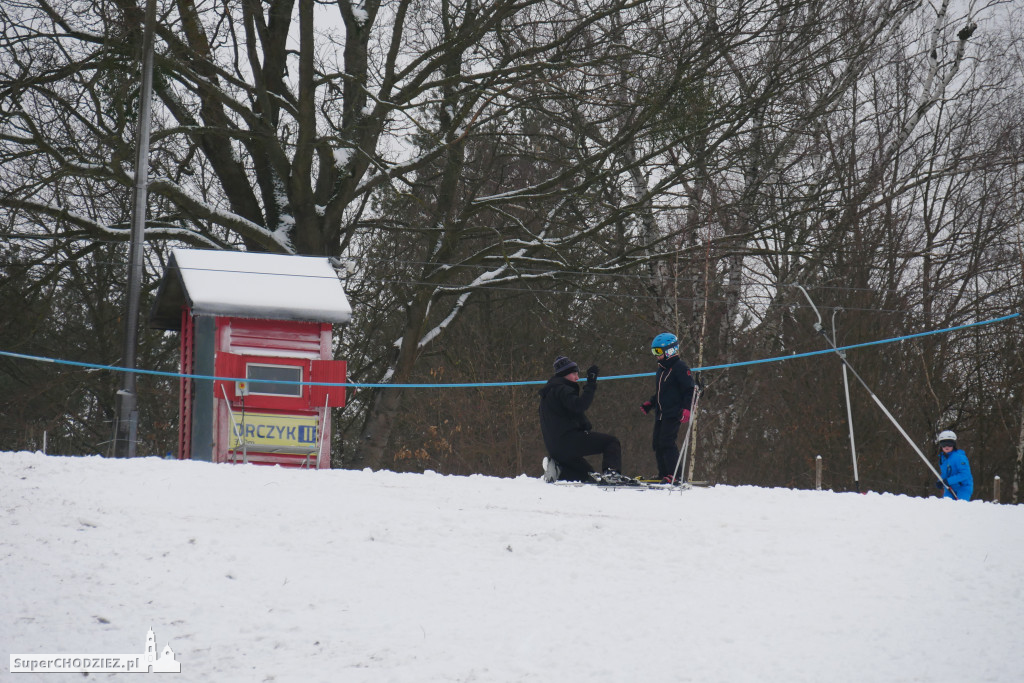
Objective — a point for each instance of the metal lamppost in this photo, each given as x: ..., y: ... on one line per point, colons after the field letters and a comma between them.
x: 127, y: 414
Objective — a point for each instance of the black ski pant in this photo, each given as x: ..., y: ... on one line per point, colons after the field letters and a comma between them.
x: 666, y: 429
x: 573, y: 447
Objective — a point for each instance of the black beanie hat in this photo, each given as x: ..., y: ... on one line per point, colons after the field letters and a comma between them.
x: 563, y: 366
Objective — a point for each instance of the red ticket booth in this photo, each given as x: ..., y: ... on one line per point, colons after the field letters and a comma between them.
x: 256, y: 329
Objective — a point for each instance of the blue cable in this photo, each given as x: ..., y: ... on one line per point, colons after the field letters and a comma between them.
x: 365, y: 385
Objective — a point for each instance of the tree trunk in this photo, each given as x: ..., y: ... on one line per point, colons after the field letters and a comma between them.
x: 370, y: 451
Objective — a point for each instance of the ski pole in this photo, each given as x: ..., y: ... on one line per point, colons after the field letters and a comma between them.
x: 680, y: 469
x: 821, y: 330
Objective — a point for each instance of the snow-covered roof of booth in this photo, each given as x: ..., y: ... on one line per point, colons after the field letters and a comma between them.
x: 249, y: 285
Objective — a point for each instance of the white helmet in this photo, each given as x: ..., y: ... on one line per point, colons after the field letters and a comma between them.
x: 946, y: 436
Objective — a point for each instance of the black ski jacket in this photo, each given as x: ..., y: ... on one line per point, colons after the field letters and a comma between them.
x: 563, y: 411
x: 673, y: 389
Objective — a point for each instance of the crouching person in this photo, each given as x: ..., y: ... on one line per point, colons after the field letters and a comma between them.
x: 567, y: 431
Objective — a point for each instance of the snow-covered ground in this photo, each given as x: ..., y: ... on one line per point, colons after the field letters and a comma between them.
x: 261, y: 574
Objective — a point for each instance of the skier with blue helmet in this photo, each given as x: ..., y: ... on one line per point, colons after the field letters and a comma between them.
x: 954, y: 468
x: 671, y: 402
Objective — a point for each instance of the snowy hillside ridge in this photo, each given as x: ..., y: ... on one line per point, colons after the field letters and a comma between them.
x: 264, y: 574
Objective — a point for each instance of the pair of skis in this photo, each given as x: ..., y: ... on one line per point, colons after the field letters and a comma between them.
x: 632, y: 485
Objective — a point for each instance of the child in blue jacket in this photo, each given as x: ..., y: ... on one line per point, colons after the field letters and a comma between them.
x: 954, y: 468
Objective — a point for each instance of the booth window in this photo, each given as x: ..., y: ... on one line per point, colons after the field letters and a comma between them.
x: 274, y: 380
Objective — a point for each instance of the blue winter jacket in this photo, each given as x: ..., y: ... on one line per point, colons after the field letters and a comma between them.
x: 955, y: 469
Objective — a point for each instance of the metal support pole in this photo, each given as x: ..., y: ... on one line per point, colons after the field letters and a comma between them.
x: 995, y: 489
x: 821, y: 330
x: 239, y: 433
x: 127, y: 414
x: 849, y: 411
x: 323, y: 431
x: 817, y: 472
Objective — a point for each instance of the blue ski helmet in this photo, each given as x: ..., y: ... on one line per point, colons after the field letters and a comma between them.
x: 665, y: 344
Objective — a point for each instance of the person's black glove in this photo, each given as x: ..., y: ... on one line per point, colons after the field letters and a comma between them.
x: 941, y: 484
x: 592, y: 373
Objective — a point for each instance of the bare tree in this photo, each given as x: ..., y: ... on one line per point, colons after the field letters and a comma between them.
x: 447, y: 152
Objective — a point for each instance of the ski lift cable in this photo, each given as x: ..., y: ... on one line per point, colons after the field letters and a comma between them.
x: 386, y: 385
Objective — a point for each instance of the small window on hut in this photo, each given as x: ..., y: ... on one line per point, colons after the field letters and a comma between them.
x: 274, y: 380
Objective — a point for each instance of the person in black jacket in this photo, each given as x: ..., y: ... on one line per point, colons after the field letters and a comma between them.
x: 672, y: 400
x: 567, y: 431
